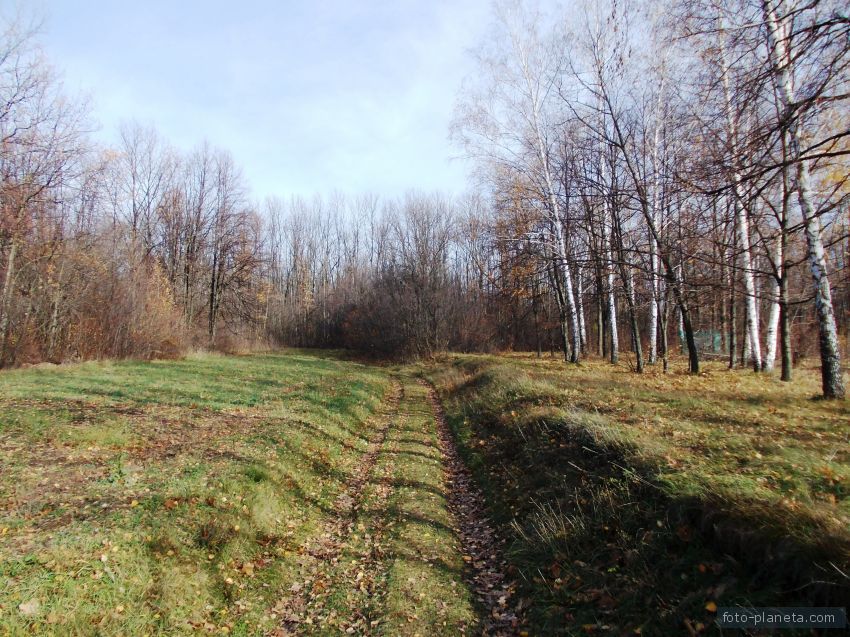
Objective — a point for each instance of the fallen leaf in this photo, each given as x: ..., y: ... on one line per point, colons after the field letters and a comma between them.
x: 30, y: 608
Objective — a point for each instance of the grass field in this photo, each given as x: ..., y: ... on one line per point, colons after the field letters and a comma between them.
x: 300, y: 493
x: 637, y: 503
x: 183, y: 497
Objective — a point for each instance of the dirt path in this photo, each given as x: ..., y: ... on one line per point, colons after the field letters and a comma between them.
x: 299, y: 610
x: 482, y: 548
x: 408, y: 550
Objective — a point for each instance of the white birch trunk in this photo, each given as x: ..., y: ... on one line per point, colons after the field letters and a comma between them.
x: 580, y: 303
x: 653, y: 246
x: 607, y: 238
x: 752, y: 327
x: 772, y: 332
x: 564, y: 265
x: 780, y: 55
x: 653, y: 264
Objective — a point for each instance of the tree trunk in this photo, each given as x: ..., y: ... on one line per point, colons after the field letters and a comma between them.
x: 687, y: 326
x: 539, y: 343
x: 561, y: 264
x: 628, y: 284
x: 5, y: 302
x: 211, y: 317
x: 564, y: 265
x: 664, y: 317
x: 831, y: 378
x: 773, y: 317
x: 785, y: 328
x: 741, y: 222
x: 614, y: 349
x: 53, y: 339
x: 733, y: 315
x: 555, y: 274
x: 633, y: 319
x: 653, y: 246
x: 580, y: 309
x: 600, y: 318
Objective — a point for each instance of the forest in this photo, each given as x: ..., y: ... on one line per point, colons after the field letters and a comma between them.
x: 612, y: 337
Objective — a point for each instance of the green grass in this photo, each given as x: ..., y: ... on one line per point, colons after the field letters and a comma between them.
x: 170, y: 497
x: 184, y: 497
x: 633, y: 501
x: 424, y: 582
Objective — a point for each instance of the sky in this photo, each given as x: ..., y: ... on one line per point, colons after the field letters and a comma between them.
x: 309, y: 96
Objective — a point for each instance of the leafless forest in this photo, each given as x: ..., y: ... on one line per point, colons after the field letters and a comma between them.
x: 653, y: 177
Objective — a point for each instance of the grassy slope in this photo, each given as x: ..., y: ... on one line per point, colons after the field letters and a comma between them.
x: 635, y: 501
x: 168, y: 497
x: 173, y: 497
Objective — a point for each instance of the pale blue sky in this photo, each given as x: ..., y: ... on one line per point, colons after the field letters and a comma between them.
x: 308, y: 96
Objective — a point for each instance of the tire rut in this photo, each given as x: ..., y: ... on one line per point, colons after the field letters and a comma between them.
x: 482, y: 547
x: 323, y: 550
x: 364, y: 575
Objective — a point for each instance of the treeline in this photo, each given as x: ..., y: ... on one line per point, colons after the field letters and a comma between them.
x: 139, y: 250
x: 653, y: 176
x: 656, y: 176
x: 136, y: 250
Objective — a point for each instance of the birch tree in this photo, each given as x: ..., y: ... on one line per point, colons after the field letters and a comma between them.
x: 827, y: 36
x: 741, y: 218
x: 510, y: 122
